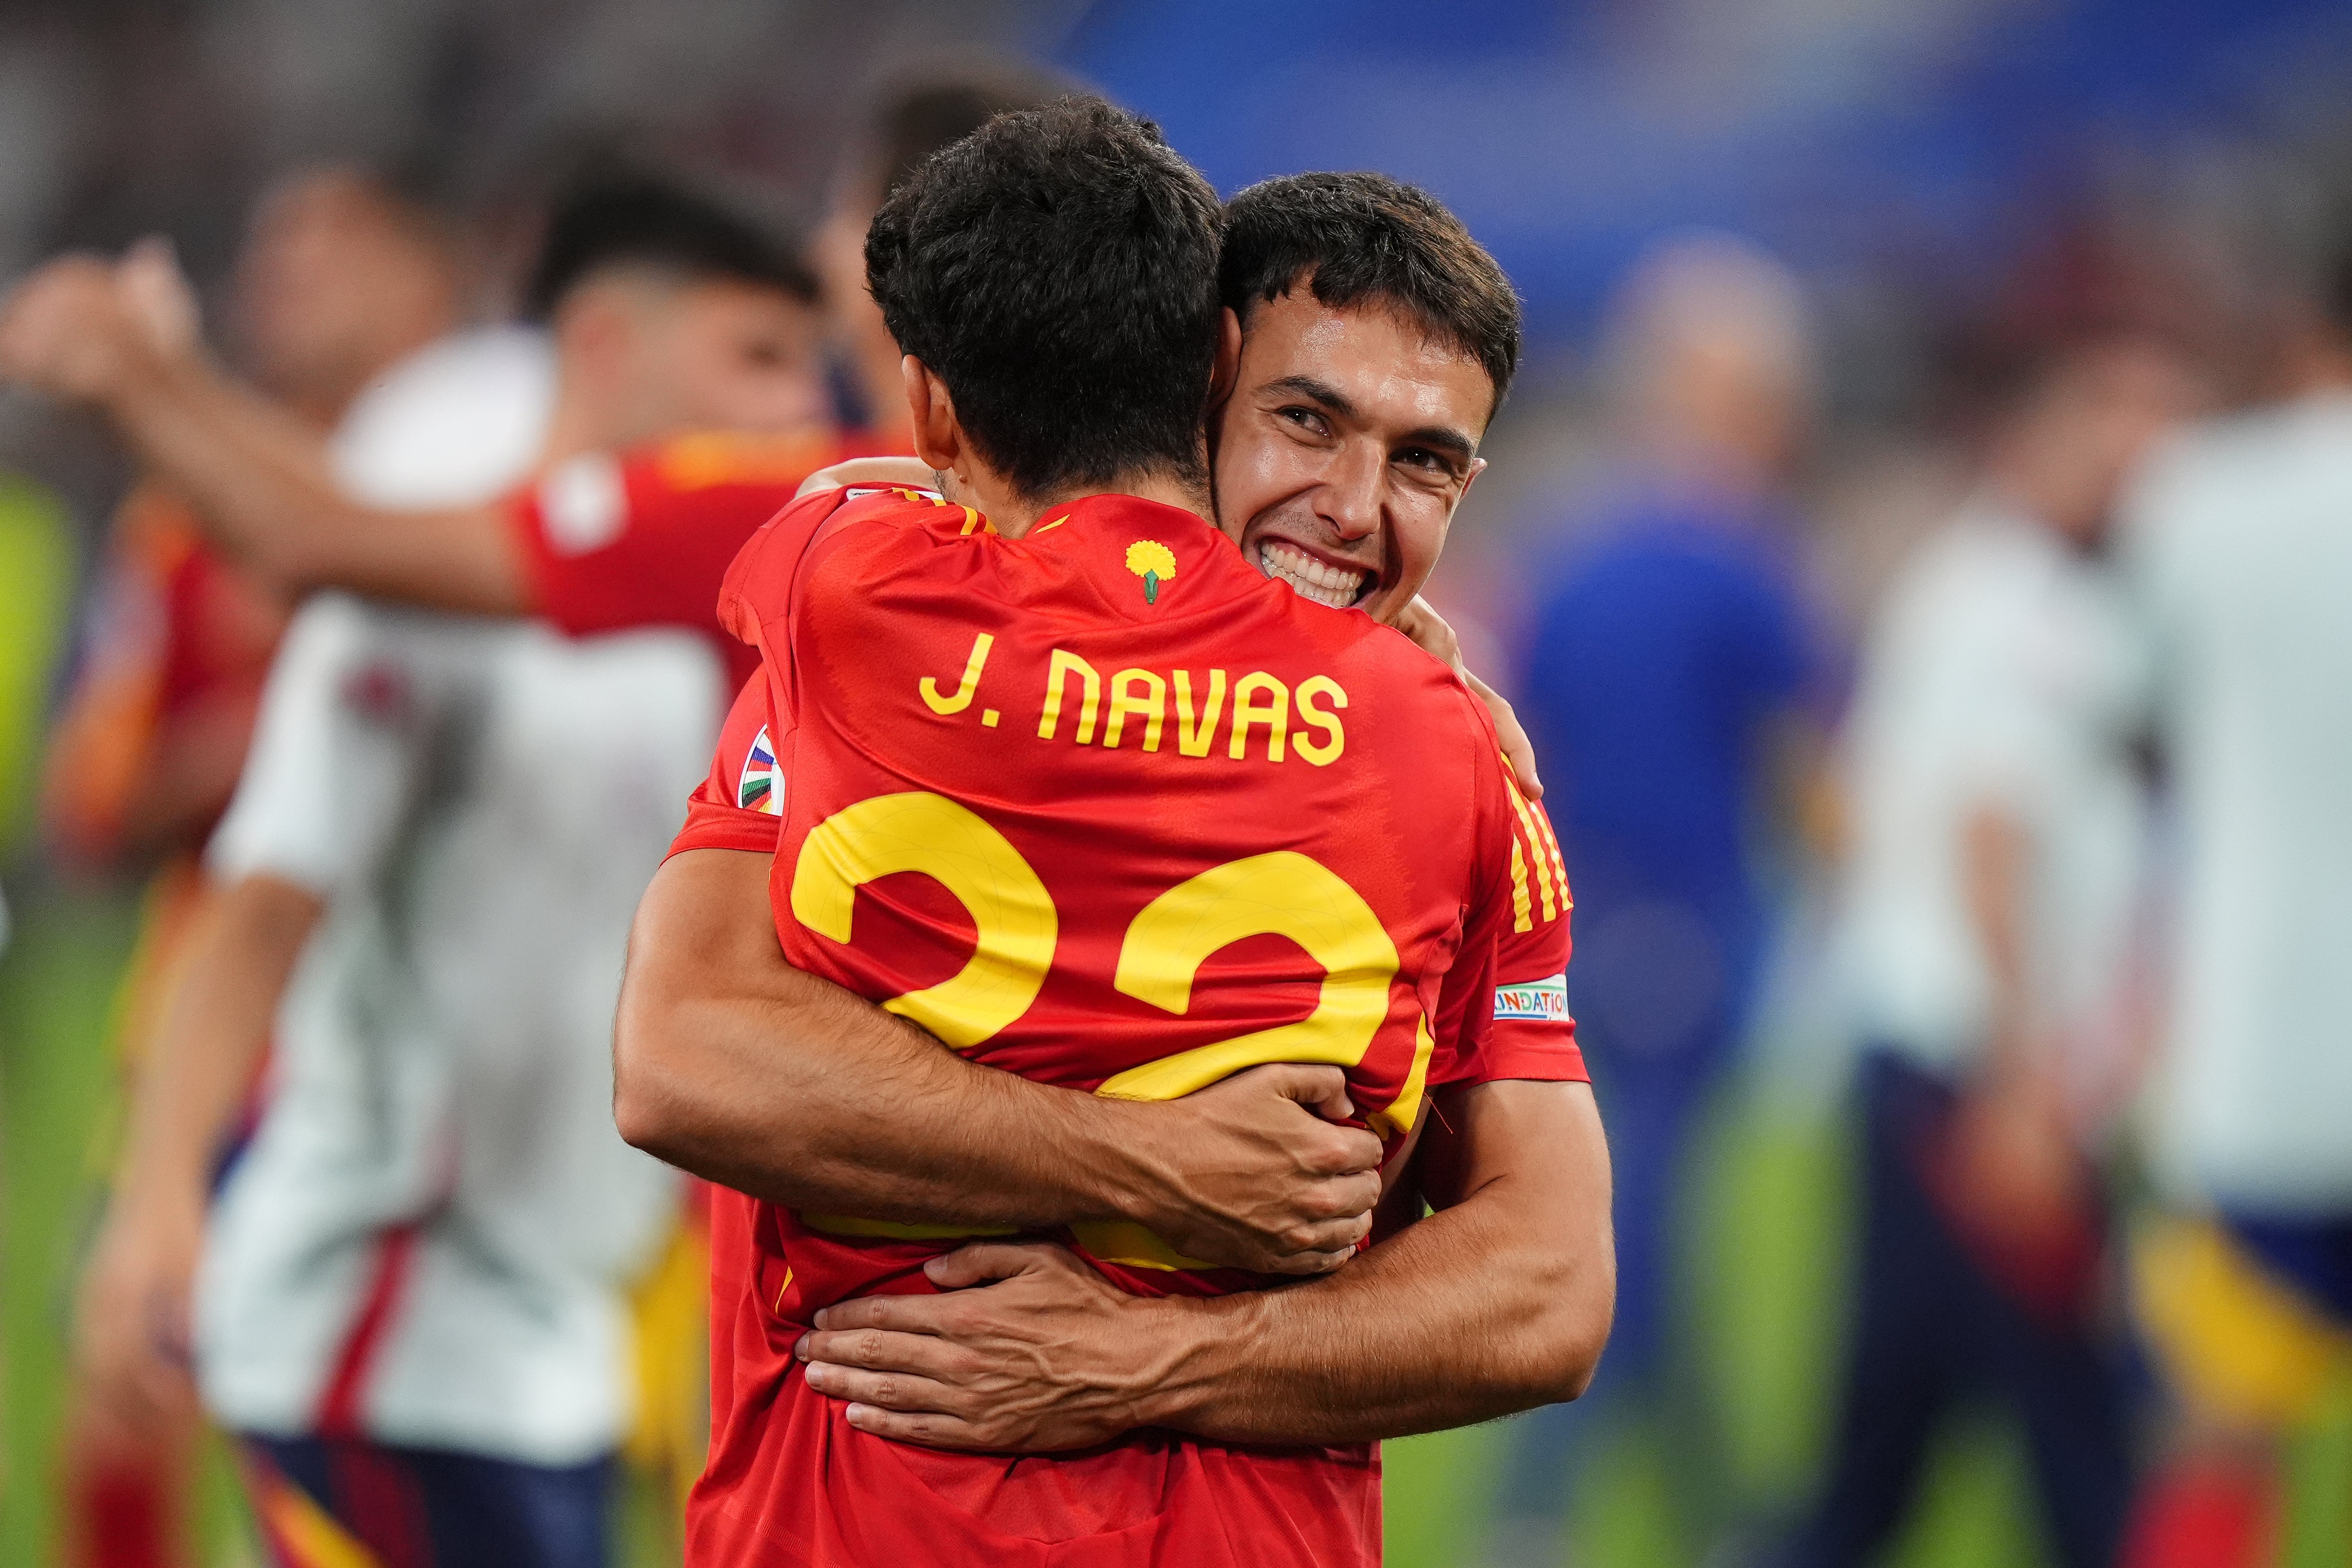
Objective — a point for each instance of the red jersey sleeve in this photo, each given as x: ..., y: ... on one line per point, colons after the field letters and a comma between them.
x: 1527, y: 1032
x: 614, y: 542
x: 738, y: 803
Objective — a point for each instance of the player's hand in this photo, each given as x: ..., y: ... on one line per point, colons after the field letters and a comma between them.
x: 1029, y: 1351
x: 1256, y: 1170
x: 1429, y: 631
x: 912, y: 473
x: 132, y: 1323
x: 2018, y: 1172
x: 68, y: 330
x: 159, y: 298
x: 2008, y: 1172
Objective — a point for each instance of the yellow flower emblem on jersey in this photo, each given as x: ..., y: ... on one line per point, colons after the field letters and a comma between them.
x: 1154, y: 563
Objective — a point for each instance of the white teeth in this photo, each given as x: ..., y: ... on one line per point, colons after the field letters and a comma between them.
x: 1309, y: 577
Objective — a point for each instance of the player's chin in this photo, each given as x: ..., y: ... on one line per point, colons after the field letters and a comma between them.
x: 1385, y: 602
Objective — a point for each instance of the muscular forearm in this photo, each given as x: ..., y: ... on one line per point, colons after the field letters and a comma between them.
x: 1500, y: 1302
x: 263, y: 488
x: 1496, y: 1304
x: 732, y: 1064
x: 810, y: 1097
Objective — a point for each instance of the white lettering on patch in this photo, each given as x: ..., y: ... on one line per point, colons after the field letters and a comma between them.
x: 1533, y: 1001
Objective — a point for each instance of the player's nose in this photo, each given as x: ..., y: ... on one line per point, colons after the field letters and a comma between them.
x: 1350, y: 501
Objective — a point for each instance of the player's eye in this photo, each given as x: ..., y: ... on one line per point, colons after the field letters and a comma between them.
x: 1308, y: 420
x: 1423, y: 461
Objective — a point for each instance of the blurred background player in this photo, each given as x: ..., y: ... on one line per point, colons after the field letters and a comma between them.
x: 409, y: 1288
x: 1985, y: 934
x: 2239, y: 561
x: 341, y: 275
x: 1665, y: 673
x: 911, y: 120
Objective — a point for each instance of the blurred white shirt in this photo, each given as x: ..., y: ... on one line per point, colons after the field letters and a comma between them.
x: 1999, y: 674
x: 429, y: 1232
x: 453, y: 424
x: 2239, y: 546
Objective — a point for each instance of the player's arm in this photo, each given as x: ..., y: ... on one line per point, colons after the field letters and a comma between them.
x: 2011, y: 1164
x: 1499, y: 1302
x: 262, y: 485
x: 134, y: 1323
x: 335, y: 766
x: 730, y: 1063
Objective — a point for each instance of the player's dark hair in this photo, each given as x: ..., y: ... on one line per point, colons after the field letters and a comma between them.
x: 609, y: 221
x: 1364, y: 238
x: 917, y: 120
x: 1058, y: 268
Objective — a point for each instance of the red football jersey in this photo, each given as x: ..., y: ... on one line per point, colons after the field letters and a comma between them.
x: 614, y: 542
x: 1105, y: 807
x: 738, y: 802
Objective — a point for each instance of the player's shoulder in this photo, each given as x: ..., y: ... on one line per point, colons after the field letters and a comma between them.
x: 685, y: 482
x: 1410, y: 677
x: 824, y: 523
x: 708, y: 460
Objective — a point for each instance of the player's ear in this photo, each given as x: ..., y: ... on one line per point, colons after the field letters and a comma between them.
x: 1477, y: 467
x: 1226, y: 373
x: 938, y: 439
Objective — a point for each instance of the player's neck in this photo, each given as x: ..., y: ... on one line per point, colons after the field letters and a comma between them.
x: 1014, y: 515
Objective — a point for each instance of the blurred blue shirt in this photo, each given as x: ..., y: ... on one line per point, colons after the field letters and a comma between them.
x: 1673, y: 631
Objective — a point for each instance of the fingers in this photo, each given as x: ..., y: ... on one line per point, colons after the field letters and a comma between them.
x: 1321, y: 1090
x: 929, y: 1429
x: 1353, y: 1151
x: 59, y: 328
x: 985, y: 1261
x: 909, y: 471
x: 158, y: 296
x: 1310, y: 1263
x: 1429, y: 631
x: 137, y: 1379
x: 1335, y: 1238
x: 893, y: 1314
x: 887, y: 1390
x: 1517, y: 748
x: 871, y: 1350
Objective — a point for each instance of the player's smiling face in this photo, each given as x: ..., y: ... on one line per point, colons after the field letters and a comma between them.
x: 1349, y: 439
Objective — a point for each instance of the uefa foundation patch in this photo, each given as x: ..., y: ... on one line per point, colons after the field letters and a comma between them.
x: 1533, y: 1001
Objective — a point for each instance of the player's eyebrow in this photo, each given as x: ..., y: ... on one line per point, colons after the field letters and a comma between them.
x: 1437, y: 437
x: 1315, y: 391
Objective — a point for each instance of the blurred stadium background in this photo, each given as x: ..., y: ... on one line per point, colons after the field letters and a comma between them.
x: 1937, y: 175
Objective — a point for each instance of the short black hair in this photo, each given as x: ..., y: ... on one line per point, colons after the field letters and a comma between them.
x: 1058, y: 269
x: 1364, y: 237
x: 636, y: 219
